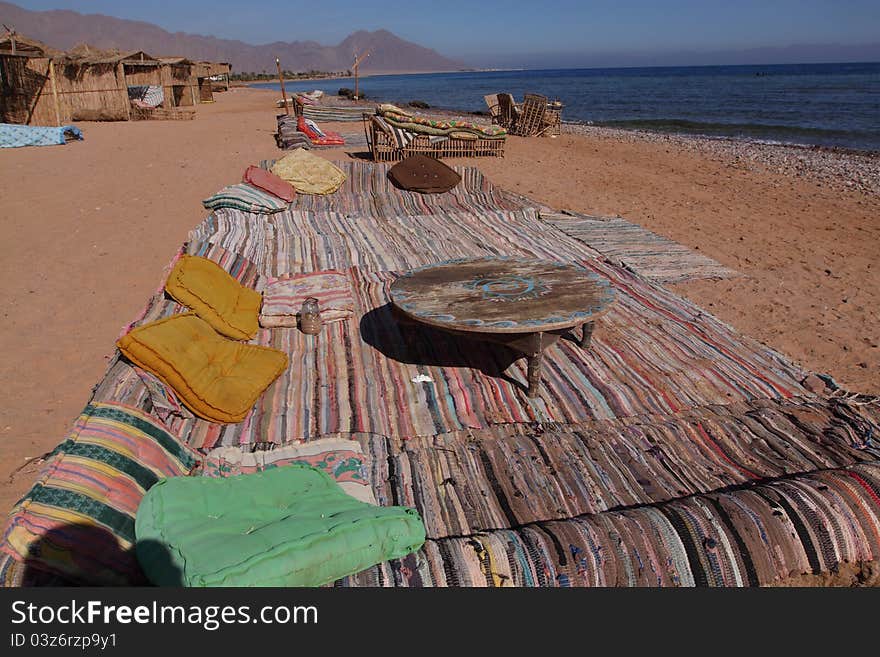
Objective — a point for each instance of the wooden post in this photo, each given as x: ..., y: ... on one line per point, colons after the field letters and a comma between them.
x: 281, y: 80
x: 357, y: 64
x: 55, y: 92
x: 122, y: 87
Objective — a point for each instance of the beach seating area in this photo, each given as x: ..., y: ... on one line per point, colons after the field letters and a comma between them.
x: 674, y: 451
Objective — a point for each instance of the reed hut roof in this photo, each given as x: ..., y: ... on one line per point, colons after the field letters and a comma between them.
x: 176, y: 60
x: 86, y: 54
x: 25, y: 47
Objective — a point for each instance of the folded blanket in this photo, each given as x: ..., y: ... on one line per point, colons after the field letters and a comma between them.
x: 246, y: 198
x: 309, y: 174
x: 318, y: 136
x: 217, y: 379
x: 288, y: 526
x: 283, y: 298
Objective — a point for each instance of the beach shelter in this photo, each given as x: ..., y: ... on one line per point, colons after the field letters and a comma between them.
x: 211, y: 77
x: 95, y: 86
x: 179, y: 81
x: 28, y: 91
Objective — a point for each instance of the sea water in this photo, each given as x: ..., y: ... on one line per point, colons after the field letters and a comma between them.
x: 813, y: 104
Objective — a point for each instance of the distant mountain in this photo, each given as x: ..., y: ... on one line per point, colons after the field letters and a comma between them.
x: 64, y: 29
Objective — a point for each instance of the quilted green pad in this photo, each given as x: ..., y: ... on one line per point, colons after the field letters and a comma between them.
x: 289, y: 526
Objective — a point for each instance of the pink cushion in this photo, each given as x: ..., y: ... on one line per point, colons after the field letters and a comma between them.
x: 269, y: 182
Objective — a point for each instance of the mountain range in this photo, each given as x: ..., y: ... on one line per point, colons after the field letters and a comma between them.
x: 64, y: 29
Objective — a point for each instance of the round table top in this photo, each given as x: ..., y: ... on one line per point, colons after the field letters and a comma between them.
x: 502, y: 295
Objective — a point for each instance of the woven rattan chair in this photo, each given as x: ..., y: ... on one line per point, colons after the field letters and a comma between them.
x: 494, y: 108
x: 509, y: 112
x: 531, y: 119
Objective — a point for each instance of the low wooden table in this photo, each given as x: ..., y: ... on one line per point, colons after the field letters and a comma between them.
x: 524, y: 304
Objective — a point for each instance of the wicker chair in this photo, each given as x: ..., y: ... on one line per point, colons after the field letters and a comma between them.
x: 494, y: 108
x: 531, y: 120
x: 384, y: 148
x: 509, y: 112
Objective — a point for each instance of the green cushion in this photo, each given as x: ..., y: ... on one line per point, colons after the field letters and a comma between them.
x: 289, y: 526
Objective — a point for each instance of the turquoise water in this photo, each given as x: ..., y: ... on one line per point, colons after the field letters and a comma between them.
x: 814, y: 104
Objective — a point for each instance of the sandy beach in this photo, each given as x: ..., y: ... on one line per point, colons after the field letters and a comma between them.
x: 89, y: 227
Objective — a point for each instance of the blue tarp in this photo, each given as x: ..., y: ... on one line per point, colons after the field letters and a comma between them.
x: 13, y: 135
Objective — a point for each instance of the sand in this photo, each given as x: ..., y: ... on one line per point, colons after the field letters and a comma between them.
x: 88, y: 228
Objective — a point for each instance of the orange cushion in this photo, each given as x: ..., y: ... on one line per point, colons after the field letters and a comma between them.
x: 218, y: 379
x: 215, y: 296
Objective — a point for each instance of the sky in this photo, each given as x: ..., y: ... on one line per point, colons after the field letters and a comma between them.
x: 511, y: 32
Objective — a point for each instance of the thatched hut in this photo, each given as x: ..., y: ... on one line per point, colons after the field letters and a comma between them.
x: 83, y: 85
x: 28, y: 91
x: 41, y: 86
x: 179, y: 82
x: 96, y: 88
x: 211, y: 77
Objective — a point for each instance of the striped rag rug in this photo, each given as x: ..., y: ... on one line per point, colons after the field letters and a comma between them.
x: 367, y: 191
x: 509, y: 476
x: 812, y: 523
x: 674, y: 451
x: 651, y: 255
x: 653, y: 353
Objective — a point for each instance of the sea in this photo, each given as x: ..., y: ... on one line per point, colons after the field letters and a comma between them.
x: 829, y: 105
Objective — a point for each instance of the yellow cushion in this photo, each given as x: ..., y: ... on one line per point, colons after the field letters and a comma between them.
x: 215, y: 296
x: 218, y: 379
x: 309, y: 174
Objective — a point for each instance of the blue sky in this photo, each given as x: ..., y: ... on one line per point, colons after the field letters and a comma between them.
x: 481, y: 31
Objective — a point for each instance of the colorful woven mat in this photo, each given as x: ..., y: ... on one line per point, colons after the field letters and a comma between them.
x: 754, y: 535
x: 651, y: 255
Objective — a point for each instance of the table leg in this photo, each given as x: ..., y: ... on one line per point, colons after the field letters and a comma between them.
x: 534, y: 359
x: 587, y: 334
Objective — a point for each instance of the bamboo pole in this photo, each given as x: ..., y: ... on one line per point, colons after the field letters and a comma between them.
x: 55, y: 92
x: 122, y: 86
x: 281, y: 80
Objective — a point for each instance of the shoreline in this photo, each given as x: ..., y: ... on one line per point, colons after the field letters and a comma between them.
x: 868, y: 179
x: 835, y: 166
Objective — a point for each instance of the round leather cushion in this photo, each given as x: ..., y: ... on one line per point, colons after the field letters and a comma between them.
x: 420, y: 173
